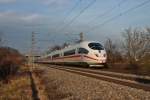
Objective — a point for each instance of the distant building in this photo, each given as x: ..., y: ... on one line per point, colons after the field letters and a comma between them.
x: 35, y: 56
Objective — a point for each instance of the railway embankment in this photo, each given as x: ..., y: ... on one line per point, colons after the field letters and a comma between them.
x: 38, y: 87
x: 49, y: 83
x: 24, y: 85
x: 16, y: 87
x: 64, y: 85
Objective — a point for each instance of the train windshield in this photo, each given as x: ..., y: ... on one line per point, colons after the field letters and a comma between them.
x: 96, y: 46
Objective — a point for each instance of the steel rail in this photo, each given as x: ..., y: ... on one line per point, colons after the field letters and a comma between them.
x: 122, y: 80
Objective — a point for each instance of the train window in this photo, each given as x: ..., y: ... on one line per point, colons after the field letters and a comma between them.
x: 56, y: 55
x: 70, y: 52
x: 83, y: 51
x: 96, y: 46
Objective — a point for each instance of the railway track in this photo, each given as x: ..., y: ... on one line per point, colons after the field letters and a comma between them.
x: 134, y: 81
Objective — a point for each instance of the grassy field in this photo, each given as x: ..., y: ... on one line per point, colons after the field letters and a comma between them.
x: 17, y: 87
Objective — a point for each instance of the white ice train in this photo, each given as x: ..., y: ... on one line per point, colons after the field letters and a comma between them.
x: 86, y: 53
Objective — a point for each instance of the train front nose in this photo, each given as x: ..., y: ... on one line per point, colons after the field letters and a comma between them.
x: 102, y: 56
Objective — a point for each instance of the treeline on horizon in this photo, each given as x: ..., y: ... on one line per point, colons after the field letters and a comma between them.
x: 134, y: 48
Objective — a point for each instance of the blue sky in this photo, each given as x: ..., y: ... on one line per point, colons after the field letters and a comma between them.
x: 53, y: 20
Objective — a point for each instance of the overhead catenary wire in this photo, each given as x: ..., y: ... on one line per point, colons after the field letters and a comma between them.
x: 78, y: 15
x: 119, y: 15
x: 68, y: 14
x: 107, y: 11
x: 72, y: 9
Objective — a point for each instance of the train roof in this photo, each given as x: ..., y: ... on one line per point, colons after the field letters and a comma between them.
x: 73, y: 46
x: 81, y: 44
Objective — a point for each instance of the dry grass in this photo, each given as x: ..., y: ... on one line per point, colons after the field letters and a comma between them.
x: 18, y: 88
x: 139, y: 69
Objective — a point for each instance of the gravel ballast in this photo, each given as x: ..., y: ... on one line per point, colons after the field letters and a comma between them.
x: 69, y: 86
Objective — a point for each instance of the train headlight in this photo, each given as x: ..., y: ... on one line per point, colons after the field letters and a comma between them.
x: 96, y: 55
x: 104, y: 55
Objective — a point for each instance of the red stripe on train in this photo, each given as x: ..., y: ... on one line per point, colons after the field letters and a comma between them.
x: 90, y: 57
x: 73, y: 56
x: 68, y: 57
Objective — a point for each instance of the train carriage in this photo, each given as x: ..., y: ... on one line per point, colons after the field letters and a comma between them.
x: 85, y: 53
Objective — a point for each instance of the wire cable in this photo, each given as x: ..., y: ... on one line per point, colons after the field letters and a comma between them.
x: 72, y: 9
x: 119, y: 15
x: 78, y: 15
x: 108, y: 11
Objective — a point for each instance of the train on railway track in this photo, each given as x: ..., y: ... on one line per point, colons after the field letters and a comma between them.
x: 86, y: 53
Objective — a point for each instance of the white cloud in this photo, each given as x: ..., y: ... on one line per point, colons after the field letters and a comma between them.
x: 56, y: 2
x: 7, y: 13
x: 31, y: 17
x: 7, y: 1
x: 10, y: 18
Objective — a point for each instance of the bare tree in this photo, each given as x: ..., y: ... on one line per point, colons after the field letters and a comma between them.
x: 109, y: 48
x: 135, y: 43
x: 147, y: 53
x: 148, y: 35
x: 65, y: 45
x: 112, y: 51
x: 53, y: 48
x: 148, y: 30
x: 1, y: 39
